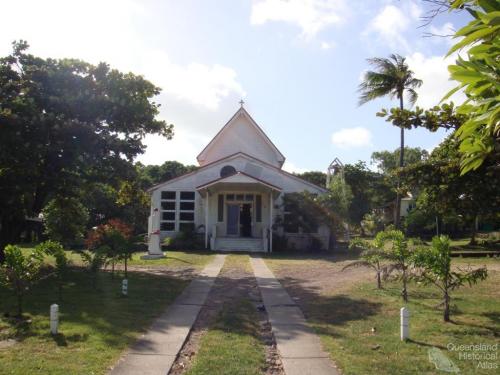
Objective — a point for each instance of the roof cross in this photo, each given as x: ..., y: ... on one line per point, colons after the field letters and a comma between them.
x: 241, y: 103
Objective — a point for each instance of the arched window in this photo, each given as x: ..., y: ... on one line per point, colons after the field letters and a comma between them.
x: 227, y: 170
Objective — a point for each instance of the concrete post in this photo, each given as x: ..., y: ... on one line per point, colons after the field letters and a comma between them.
x: 54, y: 319
x: 206, y: 221
x: 271, y: 221
x: 405, y: 324
x: 125, y: 287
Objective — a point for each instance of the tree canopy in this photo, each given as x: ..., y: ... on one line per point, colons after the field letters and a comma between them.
x: 66, y: 123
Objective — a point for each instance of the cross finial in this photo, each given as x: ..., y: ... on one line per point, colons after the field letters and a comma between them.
x: 241, y: 103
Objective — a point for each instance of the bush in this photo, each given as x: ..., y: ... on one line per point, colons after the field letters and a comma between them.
x: 65, y: 219
x: 187, y: 239
x: 56, y: 250
x: 20, y: 272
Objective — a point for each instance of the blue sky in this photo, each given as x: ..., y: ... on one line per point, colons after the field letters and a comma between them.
x: 296, y: 63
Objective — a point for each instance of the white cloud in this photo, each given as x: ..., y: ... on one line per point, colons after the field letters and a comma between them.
x: 389, y: 25
x: 352, y: 137
x: 433, y: 71
x: 197, y: 97
x: 311, y: 16
x: 443, y: 33
x: 292, y: 168
x: 327, y: 45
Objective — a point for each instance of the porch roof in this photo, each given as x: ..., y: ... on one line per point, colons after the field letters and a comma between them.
x: 237, y: 179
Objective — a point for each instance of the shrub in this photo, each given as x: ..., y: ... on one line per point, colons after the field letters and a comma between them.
x: 65, y: 219
x: 56, y: 250
x: 20, y: 272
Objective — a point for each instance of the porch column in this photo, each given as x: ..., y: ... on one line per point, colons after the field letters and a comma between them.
x: 271, y: 221
x: 206, y: 221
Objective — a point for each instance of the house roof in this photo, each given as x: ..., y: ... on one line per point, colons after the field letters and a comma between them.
x: 241, y: 112
x: 238, y: 177
x: 279, y: 170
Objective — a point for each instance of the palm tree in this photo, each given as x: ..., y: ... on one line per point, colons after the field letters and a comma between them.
x: 392, y: 78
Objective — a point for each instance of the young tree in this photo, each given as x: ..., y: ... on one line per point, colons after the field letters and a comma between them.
x: 112, y: 239
x: 20, y: 272
x: 373, y: 257
x: 397, y: 250
x: 435, y: 263
x: 65, y: 219
x: 392, y: 78
x: 93, y: 261
x: 56, y: 250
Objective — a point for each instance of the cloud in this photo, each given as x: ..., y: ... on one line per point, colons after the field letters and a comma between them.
x: 197, y: 97
x: 443, y: 33
x: 311, y: 16
x: 292, y: 168
x: 391, y: 23
x: 327, y: 45
x: 433, y: 71
x: 352, y: 137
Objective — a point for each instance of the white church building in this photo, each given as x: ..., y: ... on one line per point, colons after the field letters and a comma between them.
x: 234, y: 197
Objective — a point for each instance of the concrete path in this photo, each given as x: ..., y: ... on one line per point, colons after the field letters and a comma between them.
x: 155, y: 352
x: 299, y: 346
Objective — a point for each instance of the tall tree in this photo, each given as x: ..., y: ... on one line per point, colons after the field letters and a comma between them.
x: 392, y: 77
x: 65, y: 123
x: 388, y: 161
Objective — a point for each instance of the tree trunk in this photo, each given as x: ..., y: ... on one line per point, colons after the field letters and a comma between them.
x: 112, y: 268
x: 126, y: 271
x: 446, y: 312
x: 397, y: 218
x: 379, y: 281
x: 404, y: 292
x: 473, y: 232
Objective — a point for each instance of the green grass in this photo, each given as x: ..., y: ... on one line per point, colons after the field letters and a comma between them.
x: 344, y: 323
x: 96, y: 325
x: 232, y: 345
x: 173, y: 258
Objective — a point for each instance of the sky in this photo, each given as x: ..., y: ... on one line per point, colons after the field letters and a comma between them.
x: 297, y: 65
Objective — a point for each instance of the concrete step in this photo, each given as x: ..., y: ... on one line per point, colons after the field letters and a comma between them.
x: 239, y: 244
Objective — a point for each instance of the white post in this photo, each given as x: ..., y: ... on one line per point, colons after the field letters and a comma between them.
x: 206, y: 221
x: 154, y: 233
x: 405, y: 324
x: 125, y: 287
x: 54, y: 318
x: 271, y: 221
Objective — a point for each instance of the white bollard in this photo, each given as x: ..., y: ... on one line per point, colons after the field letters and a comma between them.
x: 125, y: 287
x: 54, y: 318
x: 405, y: 324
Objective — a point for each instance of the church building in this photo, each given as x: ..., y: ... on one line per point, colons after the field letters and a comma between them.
x: 235, y: 196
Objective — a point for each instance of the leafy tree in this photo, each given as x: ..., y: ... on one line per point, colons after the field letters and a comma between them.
x: 65, y: 219
x: 315, y: 177
x: 134, y: 203
x: 446, y: 192
x: 56, y: 250
x: 478, y: 77
x: 66, y: 124
x: 339, y: 197
x: 392, y: 78
x: 372, y: 257
x: 20, y: 272
x: 397, y: 250
x: 370, y: 190
x: 112, y: 239
x: 154, y: 174
x: 93, y: 261
x: 435, y: 262
x: 387, y: 161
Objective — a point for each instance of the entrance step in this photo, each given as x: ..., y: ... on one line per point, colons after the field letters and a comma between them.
x: 239, y: 244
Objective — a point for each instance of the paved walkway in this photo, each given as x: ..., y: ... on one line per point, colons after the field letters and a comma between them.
x: 299, y: 346
x: 155, y: 352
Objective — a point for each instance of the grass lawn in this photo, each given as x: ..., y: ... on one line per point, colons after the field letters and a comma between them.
x: 344, y: 319
x: 232, y: 345
x: 96, y: 325
x: 173, y: 258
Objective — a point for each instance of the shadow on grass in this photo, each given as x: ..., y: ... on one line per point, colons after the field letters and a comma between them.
x: 85, y: 311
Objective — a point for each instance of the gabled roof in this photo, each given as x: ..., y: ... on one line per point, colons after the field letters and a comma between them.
x: 258, y: 130
x: 279, y: 170
x: 239, y: 177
